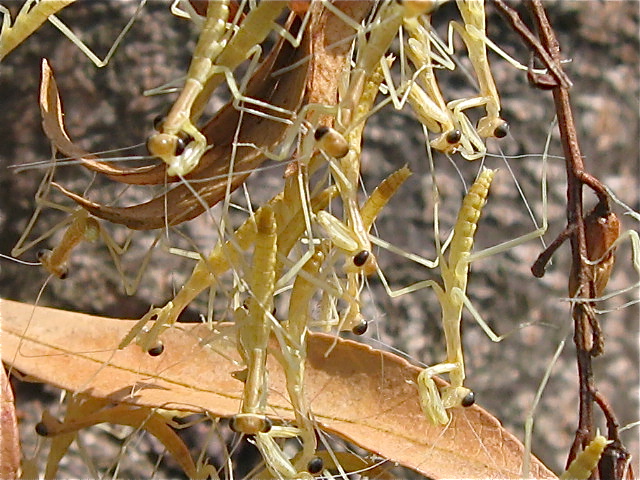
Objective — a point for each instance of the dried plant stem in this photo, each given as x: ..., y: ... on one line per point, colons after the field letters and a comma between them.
x: 587, y: 335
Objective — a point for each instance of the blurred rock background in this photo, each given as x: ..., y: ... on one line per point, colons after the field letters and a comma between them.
x: 105, y: 109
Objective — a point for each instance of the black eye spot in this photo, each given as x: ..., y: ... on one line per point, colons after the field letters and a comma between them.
x: 502, y: 130
x: 41, y: 254
x: 157, y: 350
x: 158, y: 122
x: 315, y: 465
x: 468, y: 400
x: 241, y: 375
x: 361, y: 328
x: 181, y: 144
x: 64, y: 273
x: 267, y: 425
x: 361, y: 258
x: 320, y: 132
x: 250, y: 424
x: 331, y: 141
x: 41, y: 429
x: 454, y: 136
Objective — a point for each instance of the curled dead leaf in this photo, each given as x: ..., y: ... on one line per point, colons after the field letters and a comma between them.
x: 83, y: 412
x: 601, y: 229
x: 212, y: 174
x: 317, y: 77
x: 364, y: 395
x: 601, y: 232
x: 53, y: 125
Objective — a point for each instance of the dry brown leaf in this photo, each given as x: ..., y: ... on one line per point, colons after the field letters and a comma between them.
x: 9, y: 439
x: 179, y: 204
x: 53, y: 125
x: 330, y: 52
x: 601, y: 232
x: 317, y: 78
x: 364, y: 395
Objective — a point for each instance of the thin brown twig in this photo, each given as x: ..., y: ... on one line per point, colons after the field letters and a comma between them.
x: 616, y: 460
x: 574, y: 163
x: 587, y: 336
x: 532, y: 42
x: 538, y: 267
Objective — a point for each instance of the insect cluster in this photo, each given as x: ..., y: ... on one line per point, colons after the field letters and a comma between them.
x: 303, y: 78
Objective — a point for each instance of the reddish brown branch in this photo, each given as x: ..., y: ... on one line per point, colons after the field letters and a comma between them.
x: 556, y: 73
x: 616, y: 460
x: 587, y: 335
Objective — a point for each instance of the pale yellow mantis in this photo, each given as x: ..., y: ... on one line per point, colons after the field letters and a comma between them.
x: 451, y: 295
x: 472, y: 33
x: 179, y: 143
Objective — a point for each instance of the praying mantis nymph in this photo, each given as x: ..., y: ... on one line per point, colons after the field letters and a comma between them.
x: 369, y: 56
x: 451, y: 296
x: 82, y: 227
x: 178, y: 142
x: 360, y: 260
x: 83, y: 412
x: 30, y: 17
x: 473, y: 35
x: 254, y: 326
x: 176, y: 133
x: 224, y: 256
x: 428, y: 103
x: 34, y: 13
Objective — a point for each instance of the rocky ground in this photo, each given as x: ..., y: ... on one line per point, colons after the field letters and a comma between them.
x: 105, y: 109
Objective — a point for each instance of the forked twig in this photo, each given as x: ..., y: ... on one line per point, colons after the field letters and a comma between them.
x: 587, y: 335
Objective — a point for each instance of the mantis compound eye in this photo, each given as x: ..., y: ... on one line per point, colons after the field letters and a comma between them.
x: 453, y: 136
x: 320, y: 132
x: 501, y: 130
x: 158, y: 122
x: 182, y: 143
x: 468, y: 400
x: 165, y: 145
x: 241, y: 375
x: 156, y: 350
x: 162, y: 145
x: 360, y: 258
x: 41, y: 429
x: 250, y: 423
x: 361, y: 328
x: 315, y: 465
x: 331, y: 141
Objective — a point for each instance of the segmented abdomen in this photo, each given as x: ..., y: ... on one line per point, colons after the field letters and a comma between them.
x: 468, y: 217
x: 587, y: 460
